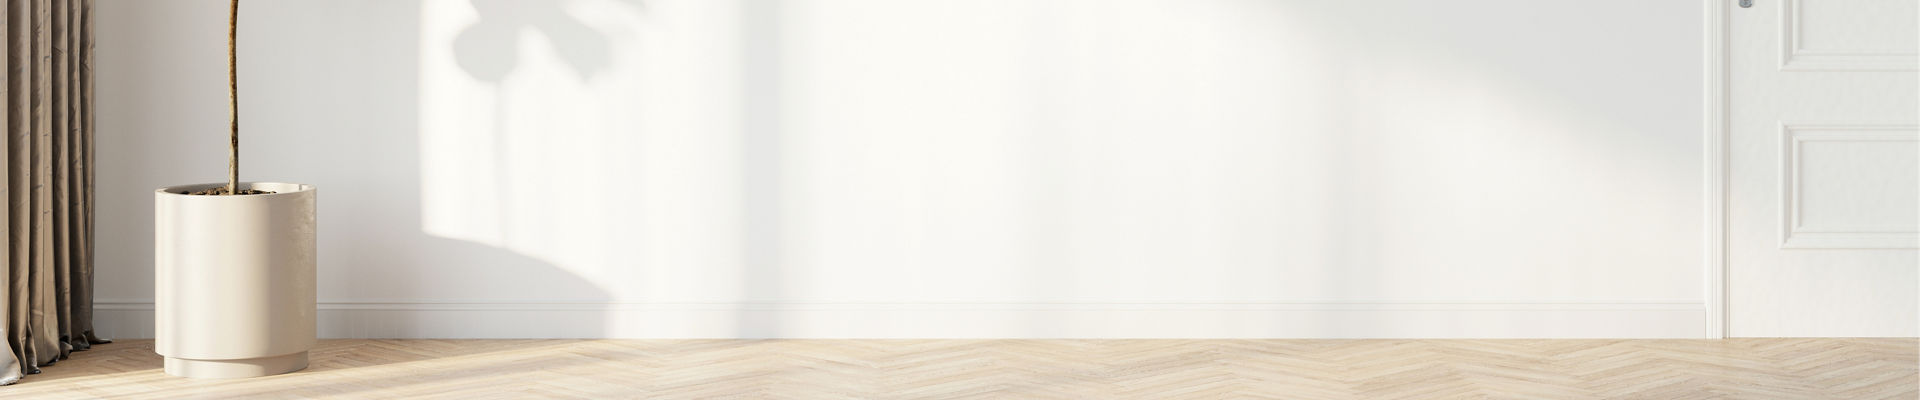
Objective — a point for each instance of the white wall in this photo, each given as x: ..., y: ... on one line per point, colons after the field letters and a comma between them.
x: 870, y: 168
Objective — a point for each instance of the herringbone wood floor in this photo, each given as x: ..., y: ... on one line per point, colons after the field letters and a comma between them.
x: 1074, y: 369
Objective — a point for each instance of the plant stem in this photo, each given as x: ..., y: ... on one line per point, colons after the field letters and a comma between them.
x: 233, y: 100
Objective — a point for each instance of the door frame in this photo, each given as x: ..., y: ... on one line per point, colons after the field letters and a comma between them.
x: 1714, y: 140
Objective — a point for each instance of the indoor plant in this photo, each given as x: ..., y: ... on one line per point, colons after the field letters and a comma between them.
x: 234, y: 266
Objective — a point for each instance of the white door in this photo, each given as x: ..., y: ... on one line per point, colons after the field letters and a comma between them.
x: 1823, y: 185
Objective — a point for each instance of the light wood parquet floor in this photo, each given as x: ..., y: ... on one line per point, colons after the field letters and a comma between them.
x: 1026, y: 369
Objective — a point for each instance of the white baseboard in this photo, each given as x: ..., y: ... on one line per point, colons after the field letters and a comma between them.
x: 134, y: 319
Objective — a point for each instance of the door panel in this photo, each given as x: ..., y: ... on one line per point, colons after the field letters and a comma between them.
x: 1848, y: 35
x: 1823, y: 201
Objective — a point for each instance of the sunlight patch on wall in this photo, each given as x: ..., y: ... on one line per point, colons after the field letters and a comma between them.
x: 1076, y: 151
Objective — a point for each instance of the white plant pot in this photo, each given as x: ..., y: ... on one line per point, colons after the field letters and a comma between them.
x: 234, y: 275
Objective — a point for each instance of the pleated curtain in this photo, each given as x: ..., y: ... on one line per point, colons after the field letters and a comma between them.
x: 47, y: 301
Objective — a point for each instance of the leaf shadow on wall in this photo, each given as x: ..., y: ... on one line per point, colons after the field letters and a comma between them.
x: 489, y: 49
x: 509, y: 167
x: 568, y: 106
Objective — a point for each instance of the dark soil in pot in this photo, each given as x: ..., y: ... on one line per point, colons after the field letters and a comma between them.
x: 222, y: 191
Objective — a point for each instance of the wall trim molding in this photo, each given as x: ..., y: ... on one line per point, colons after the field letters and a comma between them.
x: 1714, y: 136
x: 1648, y: 318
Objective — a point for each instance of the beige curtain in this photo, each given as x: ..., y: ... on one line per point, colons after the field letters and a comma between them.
x: 47, y: 301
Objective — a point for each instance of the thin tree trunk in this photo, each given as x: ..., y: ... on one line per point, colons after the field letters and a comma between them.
x: 233, y: 100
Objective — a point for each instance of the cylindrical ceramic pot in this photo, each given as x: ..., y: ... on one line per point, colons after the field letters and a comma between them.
x: 234, y: 280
